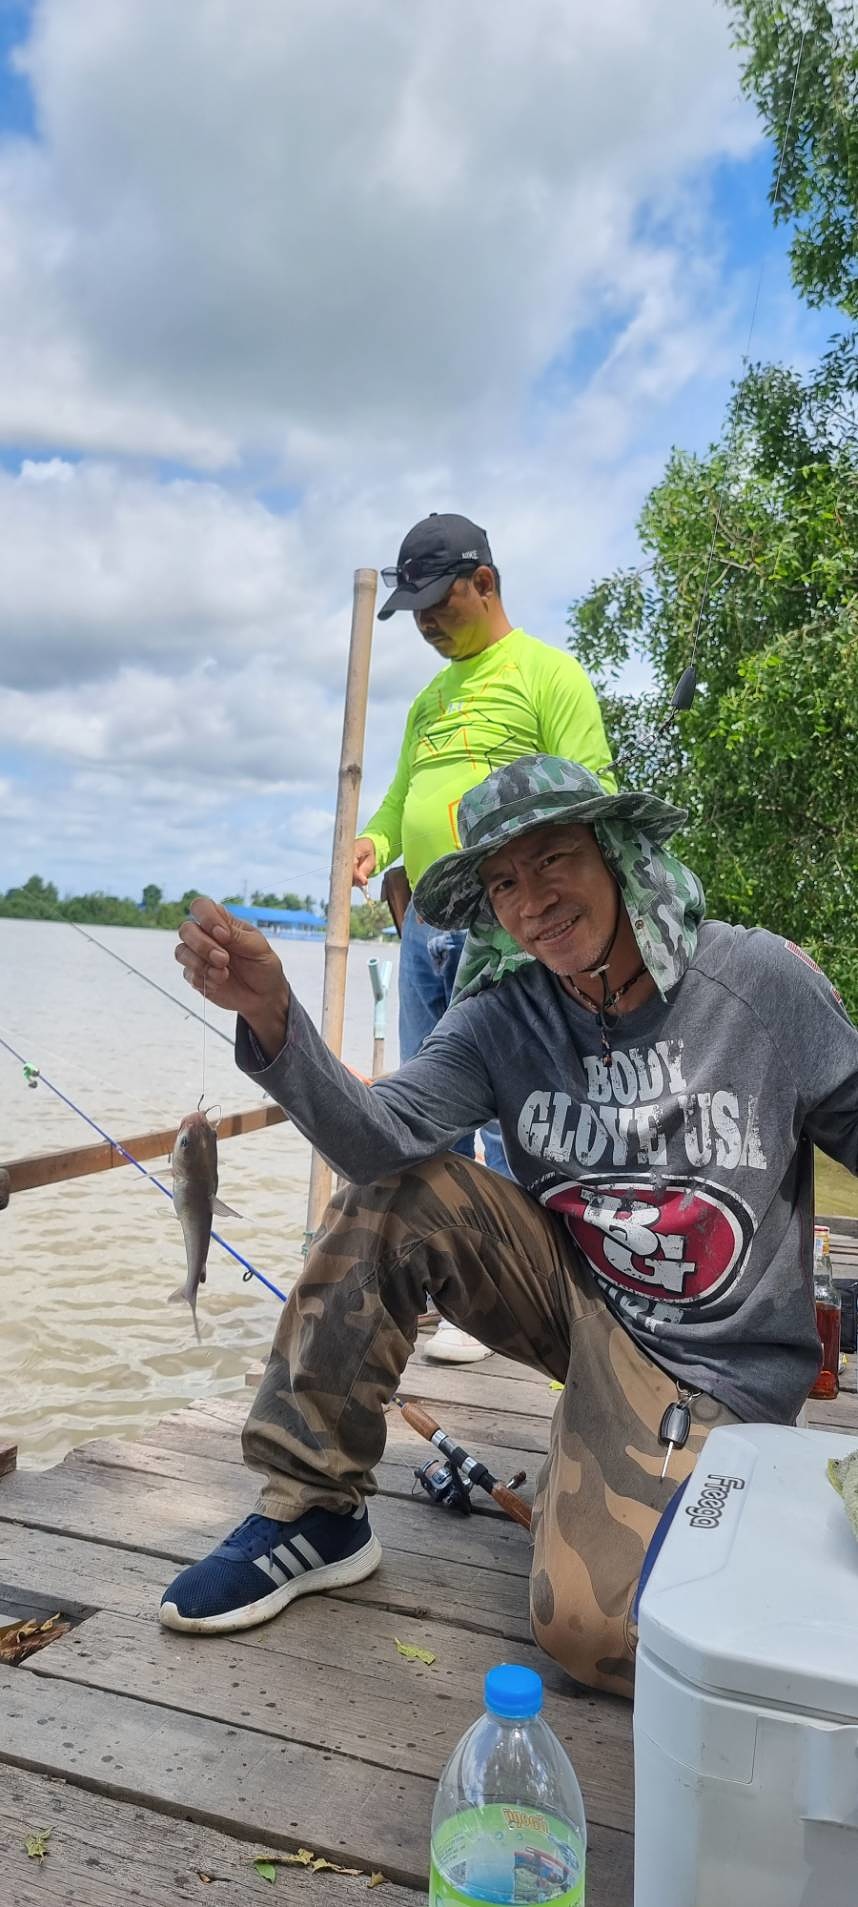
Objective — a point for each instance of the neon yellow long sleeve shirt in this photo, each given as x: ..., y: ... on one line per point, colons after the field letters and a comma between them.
x: 520, y: 697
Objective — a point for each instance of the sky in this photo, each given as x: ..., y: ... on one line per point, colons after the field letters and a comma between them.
x: 276, y: 282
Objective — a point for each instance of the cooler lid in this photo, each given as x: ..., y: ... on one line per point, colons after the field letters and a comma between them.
x: 755, y: 1589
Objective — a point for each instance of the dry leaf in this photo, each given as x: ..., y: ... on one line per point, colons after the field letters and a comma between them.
x: 415, y: 1655
x: 376, y: 1880
x: 35, y: 1843
x: 207, y: 1878
x: 305, y: 1857
x: 20, y: 1639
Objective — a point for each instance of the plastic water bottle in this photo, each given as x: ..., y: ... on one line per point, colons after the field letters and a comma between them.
x: 508, y: 1822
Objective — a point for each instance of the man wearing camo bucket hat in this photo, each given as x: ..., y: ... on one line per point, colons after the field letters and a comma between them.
x: 659, y: 1079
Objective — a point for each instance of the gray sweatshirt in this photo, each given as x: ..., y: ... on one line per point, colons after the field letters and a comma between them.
x: 684, y: 1172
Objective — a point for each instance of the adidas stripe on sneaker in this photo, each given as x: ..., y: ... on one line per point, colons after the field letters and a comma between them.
x: 264, y: 1565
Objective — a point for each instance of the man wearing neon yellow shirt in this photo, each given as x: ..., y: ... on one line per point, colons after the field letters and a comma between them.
x: 502, y: 694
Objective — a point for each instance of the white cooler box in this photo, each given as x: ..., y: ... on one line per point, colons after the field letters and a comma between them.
x: 746, y: 1691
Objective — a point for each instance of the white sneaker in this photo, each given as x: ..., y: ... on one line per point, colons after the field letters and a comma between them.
x: 452, y: 1346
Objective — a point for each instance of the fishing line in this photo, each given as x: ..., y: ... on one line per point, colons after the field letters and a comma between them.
x: 201, y: 1099
x: 250, y: 1270
x: 183, y: 1007
x: 683, y: 694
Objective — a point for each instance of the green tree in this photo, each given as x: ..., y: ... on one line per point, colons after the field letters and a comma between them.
x: 765, y: 761
x: 34, y: 900
x: 813, y: 120
x: 369, y: 919
x: 152, y: 898
x: 290, y: 901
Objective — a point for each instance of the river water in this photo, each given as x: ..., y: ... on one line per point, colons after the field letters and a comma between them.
x: 89, y: 1346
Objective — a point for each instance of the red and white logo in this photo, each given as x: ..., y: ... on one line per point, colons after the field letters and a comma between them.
x: 677, y: 1241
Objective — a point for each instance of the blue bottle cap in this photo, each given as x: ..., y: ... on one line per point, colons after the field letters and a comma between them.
x: 513, y: 1692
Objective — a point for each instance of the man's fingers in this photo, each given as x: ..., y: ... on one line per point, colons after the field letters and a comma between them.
x: 199, y: 941
x: 201, y: 972
x: 208, y: 914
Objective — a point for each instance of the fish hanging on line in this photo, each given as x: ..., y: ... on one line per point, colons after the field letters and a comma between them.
x: 194, y: 1169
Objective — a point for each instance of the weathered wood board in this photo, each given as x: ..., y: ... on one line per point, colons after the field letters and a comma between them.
x: 311, y: 1731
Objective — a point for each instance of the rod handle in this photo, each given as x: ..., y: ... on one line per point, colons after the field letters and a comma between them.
x: 514, y: 1506
x: 419, y: 1419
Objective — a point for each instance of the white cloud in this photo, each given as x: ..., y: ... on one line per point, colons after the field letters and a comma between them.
x: 335, y: 215
x: 350, y: 252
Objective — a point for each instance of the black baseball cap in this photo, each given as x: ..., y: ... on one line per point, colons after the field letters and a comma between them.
x: 432, y: 555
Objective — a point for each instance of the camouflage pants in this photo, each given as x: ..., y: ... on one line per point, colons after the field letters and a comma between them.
x: 503, y: 1268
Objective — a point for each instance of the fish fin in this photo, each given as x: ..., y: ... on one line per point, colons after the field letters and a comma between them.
x: 177, y: 1296
x: 224, y: 1211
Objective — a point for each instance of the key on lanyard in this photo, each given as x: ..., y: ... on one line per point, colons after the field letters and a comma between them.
x: 675, y: 1426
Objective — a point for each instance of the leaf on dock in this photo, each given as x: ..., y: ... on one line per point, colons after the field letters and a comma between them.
x: 20, y: 1639
x: 267, y: 1864
x: 36, y: 1843
x: 415, y: 1655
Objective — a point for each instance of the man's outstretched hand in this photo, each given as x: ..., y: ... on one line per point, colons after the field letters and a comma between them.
x: 234, y: 966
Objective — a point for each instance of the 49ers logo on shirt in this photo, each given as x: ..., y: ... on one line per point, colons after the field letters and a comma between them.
x: 676, y: 1241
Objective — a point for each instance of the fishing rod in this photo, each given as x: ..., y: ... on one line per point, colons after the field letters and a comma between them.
x: 190, y: 1011
x: 32, y: 1072
x: 207, y: 1025
x: 451, y: 1483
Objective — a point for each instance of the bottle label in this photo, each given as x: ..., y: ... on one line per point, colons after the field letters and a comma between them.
x: 503, y: 1854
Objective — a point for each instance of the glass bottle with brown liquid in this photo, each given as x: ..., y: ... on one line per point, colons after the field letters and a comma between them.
x: 827, y: 1300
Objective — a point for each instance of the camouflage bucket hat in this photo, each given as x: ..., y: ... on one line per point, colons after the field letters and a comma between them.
x: 524, y: 795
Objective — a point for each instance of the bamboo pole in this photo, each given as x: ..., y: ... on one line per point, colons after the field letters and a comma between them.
x: 77, y: 1162
x: 342, y: 857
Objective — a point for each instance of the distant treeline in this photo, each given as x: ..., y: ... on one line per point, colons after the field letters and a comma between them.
x: 40, y: 900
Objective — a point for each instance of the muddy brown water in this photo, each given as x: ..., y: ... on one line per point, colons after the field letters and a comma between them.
x: 89, y: 1346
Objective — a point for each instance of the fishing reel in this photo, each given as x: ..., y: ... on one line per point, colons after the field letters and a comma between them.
x: 444, y: 1484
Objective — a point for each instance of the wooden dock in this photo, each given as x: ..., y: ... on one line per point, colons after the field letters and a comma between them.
x: 164, y: 1765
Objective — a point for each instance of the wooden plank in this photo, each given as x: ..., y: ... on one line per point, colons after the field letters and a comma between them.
x: 494, y: 1366
x: 840, y: 1414
x: 238, y: 1781
x: 401, y: 1716
x: 104, y: 1851
x: 76, y: 1162
x: 137, y: 1512
x: 68, y: 1570
x: 8, y: 1457
x: 217, y: 1453
x: 474, y: 1386
x: 846, y: 1227
x: 74, y: 1571
x: 507, y: 1430
x: 227, y: 1777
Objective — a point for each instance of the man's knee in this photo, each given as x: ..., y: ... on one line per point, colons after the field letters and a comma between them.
x: 594, y: 1644
x: 412, y: 1203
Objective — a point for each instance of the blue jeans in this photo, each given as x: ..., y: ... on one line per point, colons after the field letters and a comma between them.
x: 427, y: 969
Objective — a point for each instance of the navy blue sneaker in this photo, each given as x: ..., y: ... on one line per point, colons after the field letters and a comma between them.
x: 264, y: 1565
